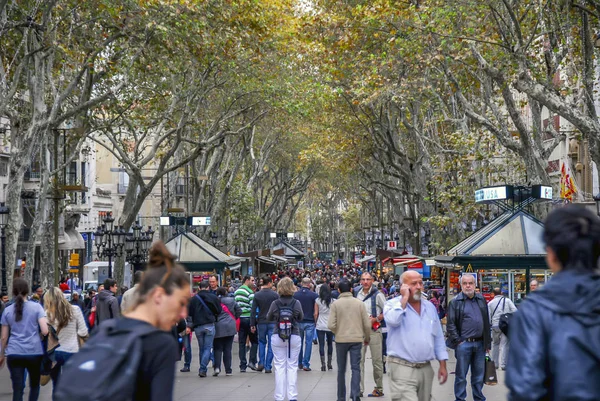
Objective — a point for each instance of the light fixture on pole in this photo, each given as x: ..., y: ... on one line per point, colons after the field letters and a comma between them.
x: 4, y: 211
x: 109, y: 240
x: 137, y: 245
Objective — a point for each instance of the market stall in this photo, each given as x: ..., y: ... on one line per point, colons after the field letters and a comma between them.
x: 507, y: 253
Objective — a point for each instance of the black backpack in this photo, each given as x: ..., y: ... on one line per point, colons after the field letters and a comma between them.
x: 107, y: 365
x: 286, y: 319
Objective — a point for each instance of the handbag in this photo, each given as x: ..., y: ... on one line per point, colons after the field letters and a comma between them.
x: 237, y: 321
x: 491, y: 378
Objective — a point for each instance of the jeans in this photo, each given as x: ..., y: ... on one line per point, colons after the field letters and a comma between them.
x: 500, y: 344
x: 265, y: 350
x: 205, y: 335
x: 242, y: 337
x: 307, y: 332
x: 322, y: 335
x: 342, y: 350
x: 469, y: 354
x: 61, y: 358
x: 285, y: 355
x: 187, y: 350
x: 17, y: 365
x: 223, y: 346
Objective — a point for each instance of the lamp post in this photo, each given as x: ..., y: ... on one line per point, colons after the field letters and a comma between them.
x: 110, y: 240
x: 597, y: 200
x: 3, y: 221
x: 137, y: 245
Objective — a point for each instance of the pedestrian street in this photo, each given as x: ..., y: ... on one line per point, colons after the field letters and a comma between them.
x: 255, y: 386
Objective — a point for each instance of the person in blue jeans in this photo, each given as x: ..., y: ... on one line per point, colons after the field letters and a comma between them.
x: 469, y: 335
x: 307, y: 299
x: 258, y: 321
x: 203, y: 311
x: 187, y: 351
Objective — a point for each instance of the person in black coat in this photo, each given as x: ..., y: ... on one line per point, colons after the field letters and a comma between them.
x: 555, y: 335
x: 203, y: 311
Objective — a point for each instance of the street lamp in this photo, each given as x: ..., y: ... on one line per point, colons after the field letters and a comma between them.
x: 597, y: 200
x: 3, y: 222
x: 137, y: 245
x: 109, y: 240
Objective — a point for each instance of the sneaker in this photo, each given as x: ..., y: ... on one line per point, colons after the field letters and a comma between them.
x: 202, y: 374
x: 306, y: 369
x: 252, y: 366
x: 260, y: 367
x: 268, y: 371
x: 376, y: 393
x: 300, y: 367
x: 315, y: 342
x: 242, y: 370
x: 217, y: 371
x: 228, y: 374
x: 184, y: 369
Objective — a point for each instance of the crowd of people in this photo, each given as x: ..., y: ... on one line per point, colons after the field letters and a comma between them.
x: 393, y: 323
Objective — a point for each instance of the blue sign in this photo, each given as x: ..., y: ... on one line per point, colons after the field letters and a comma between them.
x: 84, y: 236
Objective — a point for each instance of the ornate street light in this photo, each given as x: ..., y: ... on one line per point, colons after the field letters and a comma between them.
x: 137, y: 245
x: 4, y: 211
x: 109, y: 240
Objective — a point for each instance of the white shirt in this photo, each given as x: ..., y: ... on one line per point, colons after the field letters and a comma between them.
x: 324, y: 312
x: 505, y: 306
x: 413, y: 337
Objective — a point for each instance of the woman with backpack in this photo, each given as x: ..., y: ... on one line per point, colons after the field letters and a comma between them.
x: 322, y: 311
x: 69, y: 324
x: 101, y: 370
x: 286, y: 312
x: 22, y: 322
x: 225, y: 330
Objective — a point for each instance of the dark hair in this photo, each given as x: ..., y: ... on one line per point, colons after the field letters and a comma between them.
x: 20, y: 291
x: 221, y: 291
x: 203, y: 284
x: 344, y: 286
x: 573, y: 233
x: 137, y: 277
x: 109, y: 282
x: 246, y: 278
x: 161, y: 271
x: 266, y: 280
x: 325, y: 294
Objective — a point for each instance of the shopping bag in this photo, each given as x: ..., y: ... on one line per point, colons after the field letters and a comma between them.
x: 491, y: 379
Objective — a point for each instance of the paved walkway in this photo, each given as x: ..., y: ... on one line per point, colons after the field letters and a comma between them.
x: 314, y: 385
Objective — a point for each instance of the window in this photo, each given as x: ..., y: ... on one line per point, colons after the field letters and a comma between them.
x: 3, y: 167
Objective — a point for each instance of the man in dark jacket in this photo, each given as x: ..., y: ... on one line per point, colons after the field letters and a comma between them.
x: 261, y: 303
x: 468, y: 330
x: 107, y: 306
x: 307, y: 299
x: 203, y: 311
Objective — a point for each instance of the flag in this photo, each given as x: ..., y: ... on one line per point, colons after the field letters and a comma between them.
x: 567, y: 184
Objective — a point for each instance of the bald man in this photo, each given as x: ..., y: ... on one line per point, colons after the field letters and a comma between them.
x: 414, y: 339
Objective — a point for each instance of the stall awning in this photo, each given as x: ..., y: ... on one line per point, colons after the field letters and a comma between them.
x: 289, y: 250
x: 510, y: 234
x: 368, y: 258
x: 267, y: 260
x: 279, y: 258
x: 197, y: 255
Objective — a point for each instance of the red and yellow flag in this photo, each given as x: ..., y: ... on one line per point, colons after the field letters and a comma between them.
x: 568, y: 190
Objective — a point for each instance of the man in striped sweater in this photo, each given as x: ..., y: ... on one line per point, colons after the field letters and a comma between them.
x: 244, y: 297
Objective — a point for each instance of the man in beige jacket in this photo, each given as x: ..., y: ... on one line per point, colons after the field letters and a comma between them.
x: 350, y: 323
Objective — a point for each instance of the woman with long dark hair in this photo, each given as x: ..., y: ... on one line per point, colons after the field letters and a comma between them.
x: 555, y: 335
x: 22, y: 323
x: 69, y: 324
x: 322, y: 305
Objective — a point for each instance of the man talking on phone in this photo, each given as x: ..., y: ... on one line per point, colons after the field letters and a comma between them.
x: 415, y: 338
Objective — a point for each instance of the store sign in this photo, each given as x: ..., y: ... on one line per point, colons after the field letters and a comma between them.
x: 493, y: 193
x: 200, y: 221
x: 392, y: 245
x: 541, y: 192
